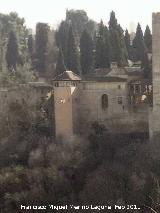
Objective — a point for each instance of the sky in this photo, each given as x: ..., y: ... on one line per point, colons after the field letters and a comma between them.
x: 128, y: 12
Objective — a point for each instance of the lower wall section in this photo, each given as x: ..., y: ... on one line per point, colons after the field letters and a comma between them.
x: 121, y: 124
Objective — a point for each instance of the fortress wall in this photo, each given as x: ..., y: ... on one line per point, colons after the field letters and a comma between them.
x: 116, y: 118
x: 91, y: 103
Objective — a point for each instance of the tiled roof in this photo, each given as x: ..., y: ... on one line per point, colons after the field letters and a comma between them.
x: 133, y: 70
x: 67, y: 76
x: 105, y: 79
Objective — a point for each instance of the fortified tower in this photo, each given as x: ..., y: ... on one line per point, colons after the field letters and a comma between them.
x: 65, y: 93
x: 155, y: 117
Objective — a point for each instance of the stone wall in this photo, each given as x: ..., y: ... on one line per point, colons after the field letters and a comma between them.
x: 155, y: 118
x: 91, y: 102
x: 118, y: 118
x: 63, y: 111
x: 22, y: 94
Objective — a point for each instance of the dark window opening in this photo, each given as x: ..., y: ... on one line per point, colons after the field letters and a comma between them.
x: 56, y: 84
x: 119, y: 100
x: 104, y: 101
x: 137, y: 89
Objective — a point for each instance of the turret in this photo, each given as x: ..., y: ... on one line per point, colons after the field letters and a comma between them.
x: 65, y: 86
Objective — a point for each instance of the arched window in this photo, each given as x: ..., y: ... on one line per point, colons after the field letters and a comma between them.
x: 104, y: 100
x: 119, y: 86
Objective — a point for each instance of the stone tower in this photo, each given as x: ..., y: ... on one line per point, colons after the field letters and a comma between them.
x: 155, y: 116
x: 65, y: 90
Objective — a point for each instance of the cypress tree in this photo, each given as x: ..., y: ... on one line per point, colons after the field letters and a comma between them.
x: 62, y: 38
x: 72, y: 53
x: 123, y: 53
x: 107, y: 47
x: 30, y: 45
x: 115, y: 45
x: 148, y: 39
x: 12, y: 55
x: 102, y: 57
x: 60, y: 66
x: 127, y: 43
x: 42, y: 30
x: 138, y: 44
x: 118, y: 47
x: 112, y: 21
x: 86, y: 52
x: 79, y: 20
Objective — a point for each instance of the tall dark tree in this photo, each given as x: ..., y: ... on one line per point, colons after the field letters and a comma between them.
x: 30, y: 45
x: 139, y: 44
x: 60, y: 66
x: 118, y: 47
x: 79, y: 19
x: 72, y: 53
x: 91, y: 27
x: 148, y: 39
x: 128, y: 43
x: 12, y: 55
x: 42, y: 30
x: 107, y: 47
x: 114, y: 37
x: 146, y: 65
x: 102, y: 56
x: 86, y: 52
x: 123, y: 53
x: 112, y: 21
x: 62, y: 38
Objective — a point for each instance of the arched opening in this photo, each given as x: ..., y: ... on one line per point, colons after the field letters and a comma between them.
x: 104, y: 100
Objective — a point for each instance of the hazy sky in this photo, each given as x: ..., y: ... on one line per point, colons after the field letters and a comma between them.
x: 53, y: 11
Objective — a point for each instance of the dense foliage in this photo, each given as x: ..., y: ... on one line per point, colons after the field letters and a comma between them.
x: 36, y: 170
x: 102, y: 44
x: 79, y: 44
x: 41, y: 42
x: 72, y: 58
x: 86, y: 52
x: 139, y: 44
x: 102, y: 54
x: 12, y: 54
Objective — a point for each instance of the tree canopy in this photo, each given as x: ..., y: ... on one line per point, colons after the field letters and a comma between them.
x: 12, y: 54
x: 41, y: 42
x: 139, y: 44
x: 86, y: 52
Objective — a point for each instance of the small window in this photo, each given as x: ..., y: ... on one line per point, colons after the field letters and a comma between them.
x: 74, y: 84
x: 104, y: 100
x: 56, y: 84
x: 68, y: 84
x: 119, y: 86
x: 137, y: 89
x: 120, y: 100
